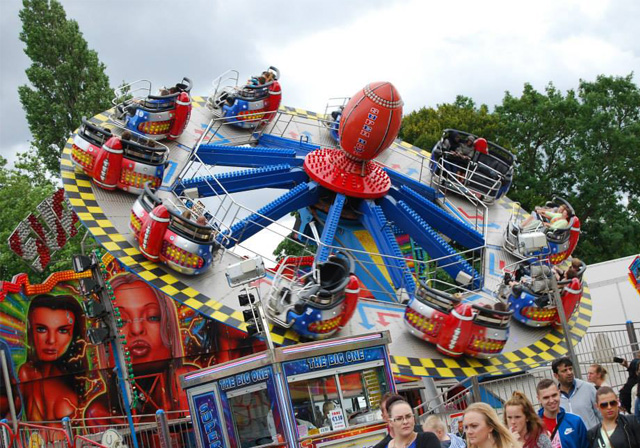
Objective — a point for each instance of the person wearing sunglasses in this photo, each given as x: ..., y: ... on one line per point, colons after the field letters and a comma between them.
x: 402, y: 421
x: 616, y: 430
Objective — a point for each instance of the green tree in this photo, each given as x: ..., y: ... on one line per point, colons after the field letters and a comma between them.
x: 67, y: 80
x: 423, y: 128
x: 22, y: 188
x: 541, y: 128
x: 584, y: 147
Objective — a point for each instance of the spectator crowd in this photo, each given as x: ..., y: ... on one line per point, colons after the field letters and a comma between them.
x: 572, y: 414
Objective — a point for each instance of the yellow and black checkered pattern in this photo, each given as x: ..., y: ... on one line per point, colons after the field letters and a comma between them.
x: 80, y: 193
x: 302, y: 113
x: 409, y: 147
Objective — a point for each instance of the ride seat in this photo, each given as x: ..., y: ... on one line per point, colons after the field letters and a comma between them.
x: 492, y: 162
x: 439, y: 300
x: 157, y: 104
x: 560, y: 236
x: 332, y: 276
x: 492, y: 318
x: 250, y: 93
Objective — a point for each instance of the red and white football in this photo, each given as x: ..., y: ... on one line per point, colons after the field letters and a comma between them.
x: 371, y: 120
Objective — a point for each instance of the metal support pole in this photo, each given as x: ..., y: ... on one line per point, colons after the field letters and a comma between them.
x: 566, y: 331
x: 116, y: 346
x: 475, y: 389
x: 7, y: 384
x: 262, y: 319
x: 430, y: 397
x: 5, y: 436
x: 631, y: 331
x: 164, y: 437
x: 66, y: 425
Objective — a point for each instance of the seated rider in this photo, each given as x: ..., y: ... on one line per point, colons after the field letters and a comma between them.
x: 571, y: 272
x: 549, y: 218
x: 268, y: 77
x: 452, y: 141
x: 462, y: 155
x: 459, y: 153
x: 538, y: 279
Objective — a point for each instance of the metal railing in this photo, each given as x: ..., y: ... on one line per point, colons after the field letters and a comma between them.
x: 227, y: 211
x: 599, y: 345
x: 44, y: 434
x: 161, y: 430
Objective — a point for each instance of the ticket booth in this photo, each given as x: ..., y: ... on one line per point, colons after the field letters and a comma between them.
x: 318, y: 394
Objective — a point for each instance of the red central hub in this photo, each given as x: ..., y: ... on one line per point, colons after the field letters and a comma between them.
x: 333, y: 169
x: 369, y: 123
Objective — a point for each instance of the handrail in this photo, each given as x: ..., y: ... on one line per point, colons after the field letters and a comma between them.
x: 86, y: 441
x: 7, y: 432
x: 48, y: 429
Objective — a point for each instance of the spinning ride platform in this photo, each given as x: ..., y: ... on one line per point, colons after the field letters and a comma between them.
x: 106, y: 214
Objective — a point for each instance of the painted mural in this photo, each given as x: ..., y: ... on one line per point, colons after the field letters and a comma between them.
x: 55, y: 372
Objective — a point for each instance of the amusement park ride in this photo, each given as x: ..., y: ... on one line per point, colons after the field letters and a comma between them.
x: 387, y: 237
x: 358, y: 198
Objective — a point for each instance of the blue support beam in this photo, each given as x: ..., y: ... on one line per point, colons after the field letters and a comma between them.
x: 303, y: 195
x: 330, y: 227
x: 272, y: 176
x: 247, y: 156
x: 302, y: 148
x: 409, y: 221
x: 373, y: 219
x: 447, y: 224
x: 398, y: 180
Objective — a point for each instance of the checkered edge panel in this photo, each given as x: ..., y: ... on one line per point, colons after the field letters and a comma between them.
x: 80, y: 193
x: 79, y: 190
x: 302, y: 113
x: 399, y: 144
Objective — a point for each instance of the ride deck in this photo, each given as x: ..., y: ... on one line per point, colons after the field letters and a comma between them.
x: 106, y: 214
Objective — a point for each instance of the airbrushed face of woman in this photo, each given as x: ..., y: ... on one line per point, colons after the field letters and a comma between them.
x: 52, y: 332
x: 141, y: 317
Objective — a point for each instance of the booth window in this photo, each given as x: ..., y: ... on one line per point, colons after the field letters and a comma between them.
x: 251, y: 414
x: 353, y: 396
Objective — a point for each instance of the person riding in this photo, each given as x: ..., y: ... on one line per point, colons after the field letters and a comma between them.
x: 549, y: 218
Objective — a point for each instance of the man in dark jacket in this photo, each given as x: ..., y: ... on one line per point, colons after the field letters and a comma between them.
x: 616, y: 430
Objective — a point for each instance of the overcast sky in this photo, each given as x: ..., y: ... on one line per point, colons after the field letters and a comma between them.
x: 432, y: 51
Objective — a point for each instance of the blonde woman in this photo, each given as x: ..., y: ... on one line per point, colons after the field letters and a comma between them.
x: 485, y: 430
x: 597, y: 375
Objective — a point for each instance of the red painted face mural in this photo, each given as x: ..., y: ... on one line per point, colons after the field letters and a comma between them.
x: 143, y: 319
x: 55, y: 372
x: 52, y: 332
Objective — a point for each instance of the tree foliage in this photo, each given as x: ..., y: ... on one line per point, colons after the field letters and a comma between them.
x: 22, y: 188
x: 581, y: 145
x: 67, y: 80
x: 424, y: 127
